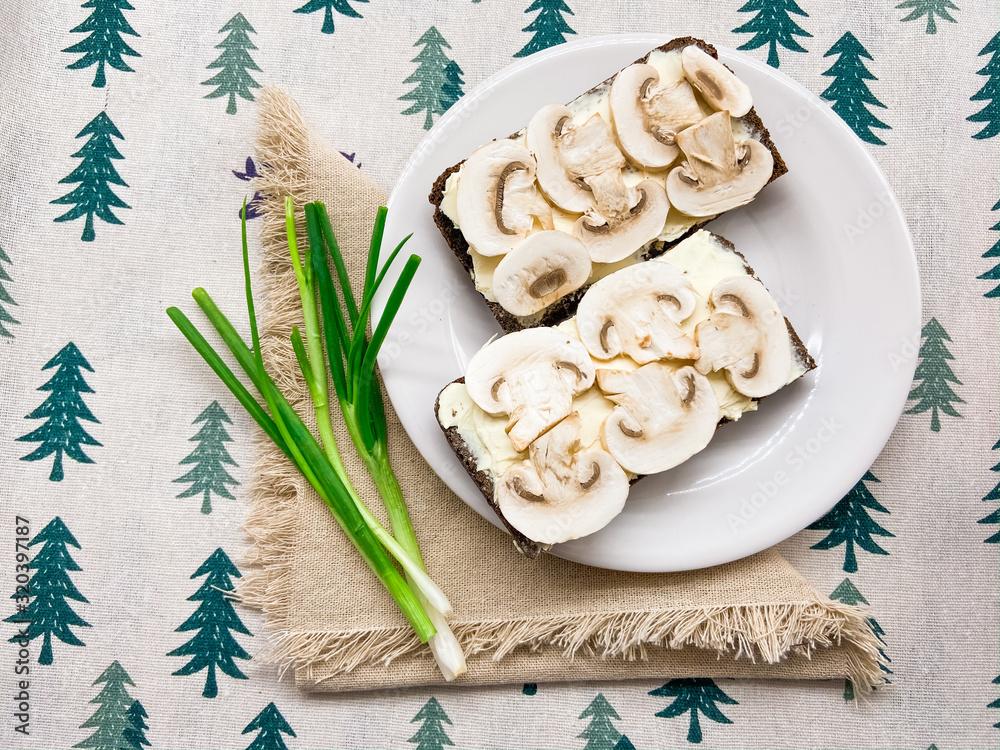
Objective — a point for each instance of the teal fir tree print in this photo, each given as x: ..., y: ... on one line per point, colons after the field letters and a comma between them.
x: 530, y: 688
x: 135, y: 732
x: 773, y: 26
x: 343, y: 7
x: 991, y: 496
x: 992, y: 275
x: 990, y: 92
x: 451, y: 91
x: 847, y: 593
x: 5, y: 298
x: 105, y: 45
x: 929, y: 8
x: 235, y: 63
x: 93, y: 195
x: 850, y: 524
x: 270, y: 725
x: 210, y: 458
x: 49, y: 614
x: 549, y: 27
x: 601, y: 733
x: 624, y: 743
x: 213, y: 647
x: 62, y: 411
x: 934, y: 392
x: 849, y: 90
x: 111, y: 719
x: 996, y: 703
x: 435, y: 86
x: 698, y: 695
x: 431, y: 735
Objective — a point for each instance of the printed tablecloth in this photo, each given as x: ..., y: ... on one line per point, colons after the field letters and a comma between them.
x: 125, y: 134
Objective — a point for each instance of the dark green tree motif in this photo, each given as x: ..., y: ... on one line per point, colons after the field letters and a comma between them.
x: 994, y: 252
x: 271, y: 725
x: 343, y: 7
x: 990, y: 92
x: 847, y: 593
x: 601, y: 732
x: 549, y: 26
x: 50, y: 589
x: 135, y: 732
x: 431, y: 735
x: 436, y: 86
x: 210, y: 458
x: 996, y: 703
x: 624, y: 743
x: 105, y: 45
x: 5, y: 298
x: 215, y: 620
x: 772, y: 26
x: 93, y: 196
x: 63, y: 409
x: 530, y: 688
x: 994, y: 494
x: 849, y: 523
x: 929, y: 8
x: 934, y: 392
x: 234, y: 78
x: 451, y: 91
x: 111, y: 719
x: 694, y: 695
x: 849, y: 91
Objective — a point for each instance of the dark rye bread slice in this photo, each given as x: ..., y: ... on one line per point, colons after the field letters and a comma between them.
x: 484, y: 479
x: 566, y: 307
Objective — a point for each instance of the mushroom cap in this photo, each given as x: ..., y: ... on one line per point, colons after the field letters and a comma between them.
x: 532, y: 376
x: 541, y: 269
x: 647, y: 115
x: 497, y: 200
x: 662, y: 418
x: 611, y: 241
x: 719, y: 174
x: 562, y: 492
x: 716, y: 83
x: 637, y: 311
x: 747, y: 336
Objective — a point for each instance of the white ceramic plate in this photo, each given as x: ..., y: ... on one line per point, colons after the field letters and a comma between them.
x: 829, y: 241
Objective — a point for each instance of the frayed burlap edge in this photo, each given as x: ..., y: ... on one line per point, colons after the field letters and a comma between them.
x: 760, y: 632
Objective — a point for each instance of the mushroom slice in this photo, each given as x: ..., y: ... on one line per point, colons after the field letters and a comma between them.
x: 647, y: 115
x: 562, y: 492
x: 719, y: 173
x: 497, y: 200
x: 662, y: 418
x: 637, y: 311
x: 572, y: 158
x: 531, y: 376
x: 746, y: 335
x: 716, y: 83
x: 610, y: 240
x: 544, y: 267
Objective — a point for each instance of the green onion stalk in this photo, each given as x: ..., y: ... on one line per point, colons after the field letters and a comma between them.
x: 352, y: 365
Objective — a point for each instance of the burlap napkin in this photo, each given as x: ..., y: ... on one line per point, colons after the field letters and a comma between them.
x: 519, y: 620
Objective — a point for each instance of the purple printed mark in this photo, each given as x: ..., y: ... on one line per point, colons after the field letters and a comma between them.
x: 253, y: 203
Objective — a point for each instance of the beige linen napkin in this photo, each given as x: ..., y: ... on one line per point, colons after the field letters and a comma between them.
x: 519, y: 620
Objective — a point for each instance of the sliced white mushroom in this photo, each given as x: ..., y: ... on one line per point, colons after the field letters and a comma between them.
x: 609, y: 240
x: 573, y: 159
x: 541, y: 269
x: 637, y: 311
x: 719, y: 174
x: 662, y: 418
x: 562, y: 492
x: 746, y: 335
x: 648, y: 114
x: 497, y: 200
x: 531, y: 376
x: 717, y: 84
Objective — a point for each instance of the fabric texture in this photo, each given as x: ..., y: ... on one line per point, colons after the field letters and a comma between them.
x: 141, y: 464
